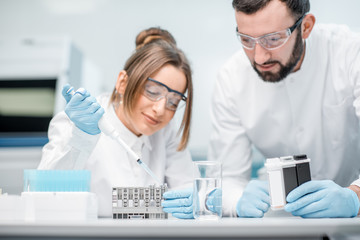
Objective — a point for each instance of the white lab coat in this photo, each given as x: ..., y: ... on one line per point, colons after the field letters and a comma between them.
x: 109, y: 163
x: 314, y: 111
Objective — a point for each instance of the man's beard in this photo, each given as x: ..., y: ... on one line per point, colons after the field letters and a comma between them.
x: 288, y: 68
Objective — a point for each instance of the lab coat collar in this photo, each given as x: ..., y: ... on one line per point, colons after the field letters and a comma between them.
x: 135, y: 142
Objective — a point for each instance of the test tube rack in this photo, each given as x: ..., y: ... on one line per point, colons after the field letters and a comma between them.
x: 138, y: 202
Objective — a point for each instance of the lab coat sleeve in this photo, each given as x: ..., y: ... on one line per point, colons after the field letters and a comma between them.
x: 178, y: 172
x: 229, y: 143
x: 68, y: 146
x: 354, y: 72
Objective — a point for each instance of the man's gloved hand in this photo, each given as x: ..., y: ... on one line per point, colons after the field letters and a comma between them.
x: 322, y: 199
x: 214, y: 201
x: 179, y: 203
x: 255, y: 200
x: 83, y: 110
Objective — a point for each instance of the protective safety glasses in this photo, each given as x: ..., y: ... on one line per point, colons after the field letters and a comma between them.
x: 155, y: 91
x: 269, y: 41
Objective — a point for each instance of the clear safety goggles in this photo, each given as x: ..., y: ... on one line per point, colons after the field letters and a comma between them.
x: 268, y: 41
x: 155, y: 91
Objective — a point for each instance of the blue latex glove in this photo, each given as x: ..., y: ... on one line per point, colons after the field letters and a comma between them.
x: 214, y: 201
x: 179, y: 203
x: 83, y: 110
x: 322, y: 199
x: 255, y: 200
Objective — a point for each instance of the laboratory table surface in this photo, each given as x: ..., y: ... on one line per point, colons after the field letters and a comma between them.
x: 225, y: 228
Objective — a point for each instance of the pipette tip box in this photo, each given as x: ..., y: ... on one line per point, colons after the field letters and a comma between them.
x: 52, y: 195
x: 56, y: 180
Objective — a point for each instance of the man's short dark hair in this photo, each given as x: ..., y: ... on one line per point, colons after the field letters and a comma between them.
x: 297, y: 7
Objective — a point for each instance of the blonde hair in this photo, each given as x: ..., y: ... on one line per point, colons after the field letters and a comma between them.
x: 156, y: 48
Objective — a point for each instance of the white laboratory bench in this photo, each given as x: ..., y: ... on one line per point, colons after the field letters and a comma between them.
x: 226, y: 228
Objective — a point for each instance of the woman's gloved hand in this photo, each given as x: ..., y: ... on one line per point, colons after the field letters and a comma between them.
x: 322, y: 199
x: 255, y: 200
x: 179, y: 203
x: 83, y: 110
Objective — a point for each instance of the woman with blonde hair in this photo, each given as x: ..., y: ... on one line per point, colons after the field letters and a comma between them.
x: 155, y: 80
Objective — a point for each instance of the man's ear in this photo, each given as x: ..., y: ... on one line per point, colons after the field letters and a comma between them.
x: 121, y: 82
x: 307, y: 25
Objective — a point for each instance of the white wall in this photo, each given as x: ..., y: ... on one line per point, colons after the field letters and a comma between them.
x: 105, y: 31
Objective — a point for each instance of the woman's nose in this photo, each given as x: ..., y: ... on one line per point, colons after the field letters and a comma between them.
x: 160, y: 106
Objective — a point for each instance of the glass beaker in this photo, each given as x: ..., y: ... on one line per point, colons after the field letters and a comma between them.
x: 207, y: 195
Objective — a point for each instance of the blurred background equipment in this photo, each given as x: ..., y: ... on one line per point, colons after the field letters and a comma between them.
x: 33, y: 71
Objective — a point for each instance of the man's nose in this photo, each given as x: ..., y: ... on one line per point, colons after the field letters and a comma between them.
x: 261, y: 55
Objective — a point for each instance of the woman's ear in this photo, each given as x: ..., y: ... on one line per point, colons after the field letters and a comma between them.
x: 121, y: 82
x: 307, y: 25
